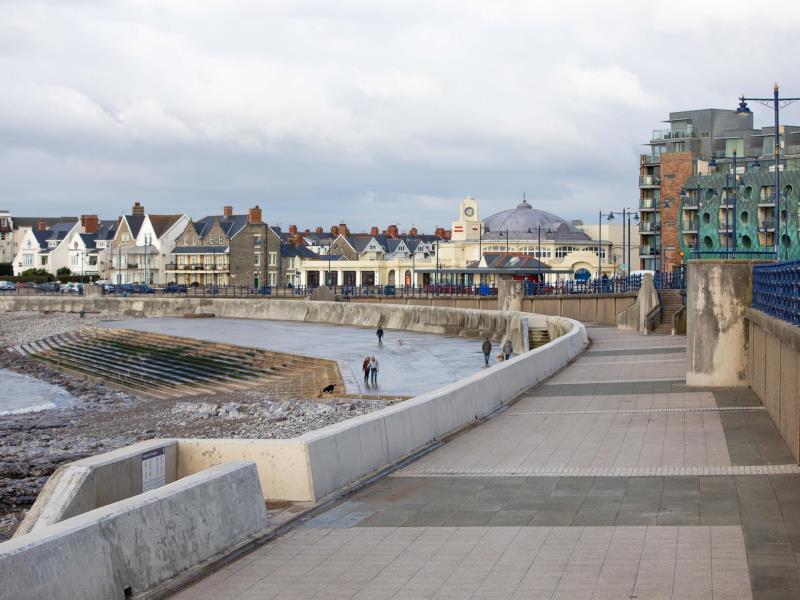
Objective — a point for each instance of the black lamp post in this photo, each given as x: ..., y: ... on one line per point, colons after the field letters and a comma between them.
x: 626, y: 214
x: 775, y: 103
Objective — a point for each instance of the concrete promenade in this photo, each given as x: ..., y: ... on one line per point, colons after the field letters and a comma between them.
x: 613, y: 480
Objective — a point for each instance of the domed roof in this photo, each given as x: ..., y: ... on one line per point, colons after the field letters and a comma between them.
x: 524, y: 217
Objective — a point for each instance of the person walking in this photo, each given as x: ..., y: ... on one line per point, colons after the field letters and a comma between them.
x: 365, y: 368
x: 373, y: 370
x: 508, y: 348
x: 379, y: 333
x: 487, y: 350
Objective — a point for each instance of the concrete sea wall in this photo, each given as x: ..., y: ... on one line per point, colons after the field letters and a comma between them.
x: 132, y: 546
x: 773, y: 368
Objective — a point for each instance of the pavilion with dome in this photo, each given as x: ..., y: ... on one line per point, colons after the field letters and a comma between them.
x: 522, y: 243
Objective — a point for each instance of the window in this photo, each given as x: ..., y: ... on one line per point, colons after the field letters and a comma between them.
x: 27, y: 260
x: 74, y: 260
x: 43, y: 260
x: 256, y: 259
x: 594, y: 250
x: 734, y: 145
x: 126, y: 238
x: 221, y: 240
x: 256, y: 241
x: 679, y: 147
x: 273, y: 278
x: 273, y: 259
x: 562, y: 251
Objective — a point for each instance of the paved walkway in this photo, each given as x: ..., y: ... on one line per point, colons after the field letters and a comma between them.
x: 612, y: 481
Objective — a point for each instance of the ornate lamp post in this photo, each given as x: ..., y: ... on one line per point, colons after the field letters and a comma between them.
x: 775, y: 103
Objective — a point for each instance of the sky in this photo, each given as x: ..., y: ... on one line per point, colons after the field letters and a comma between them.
x: 363, y: 112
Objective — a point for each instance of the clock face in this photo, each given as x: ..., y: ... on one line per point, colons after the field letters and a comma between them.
x: 469, y: 211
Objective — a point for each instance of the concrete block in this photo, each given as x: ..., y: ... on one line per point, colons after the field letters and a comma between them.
x: 588, y: 310
x: 758, y: 343
x: 772, y: 378
x: 788, y: 388
x: 139, y: 543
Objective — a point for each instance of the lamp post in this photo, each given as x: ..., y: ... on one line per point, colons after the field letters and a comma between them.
x: 775, y: 103
x: 626, y: 213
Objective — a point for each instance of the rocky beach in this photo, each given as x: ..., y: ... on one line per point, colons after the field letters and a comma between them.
x: 100, y: 418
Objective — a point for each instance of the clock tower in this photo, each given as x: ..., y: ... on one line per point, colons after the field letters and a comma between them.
x: 469, y: 224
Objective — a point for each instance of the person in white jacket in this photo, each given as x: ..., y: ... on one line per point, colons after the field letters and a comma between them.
x: 373, y: 370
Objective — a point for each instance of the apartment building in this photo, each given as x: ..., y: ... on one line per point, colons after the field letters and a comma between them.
x: 226, y: 249
x: 690, y: 136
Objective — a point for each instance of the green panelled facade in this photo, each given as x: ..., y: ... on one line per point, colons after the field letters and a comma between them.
x: 712, y: 210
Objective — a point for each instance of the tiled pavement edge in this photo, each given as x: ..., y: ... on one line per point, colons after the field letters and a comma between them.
x: 616, y: 488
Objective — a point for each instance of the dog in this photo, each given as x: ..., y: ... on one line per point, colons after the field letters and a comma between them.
x: 328, y: 389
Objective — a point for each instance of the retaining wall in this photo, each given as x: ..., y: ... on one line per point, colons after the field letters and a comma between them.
x: 97, y: 481
x: 773, y: 368
x: 132, y: 546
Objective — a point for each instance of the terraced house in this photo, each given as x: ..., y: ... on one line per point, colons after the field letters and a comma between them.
x: 143, y: 245
x: 226, y: 249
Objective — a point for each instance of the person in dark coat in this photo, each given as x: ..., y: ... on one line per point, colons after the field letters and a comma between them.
x: 365, y: 368
x: 487, y: 350
x: 508, y: 348
x: 379, y: 333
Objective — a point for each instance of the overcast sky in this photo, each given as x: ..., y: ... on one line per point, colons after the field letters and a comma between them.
x: 364, y: 112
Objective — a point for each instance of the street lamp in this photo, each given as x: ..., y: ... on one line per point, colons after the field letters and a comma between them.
x: 626, y: 213
x: 776, y: 103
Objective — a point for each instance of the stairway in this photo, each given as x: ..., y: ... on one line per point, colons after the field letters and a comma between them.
x: 672, y: 302
x: 538, y: 337
x: 165, y: 366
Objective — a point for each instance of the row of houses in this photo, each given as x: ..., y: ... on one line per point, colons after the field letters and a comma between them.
x: 240, y: 249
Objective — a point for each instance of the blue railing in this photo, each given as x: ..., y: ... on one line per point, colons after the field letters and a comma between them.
x: 672, y: 280
x: 776, y: 290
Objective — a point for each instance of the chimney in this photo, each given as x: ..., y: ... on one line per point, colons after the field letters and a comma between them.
x: 334, y: 230
x: 228, y: 211
x: 90, y: 223
x: 254, y: 215
x: 319, y: 230
x: 293, y: 229
x: 42, y: 225
x: 137, y: 209
x: 391, y: 231
x: 441, y: 233
x: 297, y: 240
x: 374, y: 231
x: 119, y: 220
x: 343, y: 229
x: 412, y: 232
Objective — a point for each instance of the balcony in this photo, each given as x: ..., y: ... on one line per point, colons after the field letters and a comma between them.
x: 649, y: 180
x: 651, y: 159
x: 648, y: 251
x: 201, y: 267
x: 768, y: 224
x: 690, y: 202
x: 690, y: 226
x: 648, y: 203
x: 672, y: 134
x: 647, y: 227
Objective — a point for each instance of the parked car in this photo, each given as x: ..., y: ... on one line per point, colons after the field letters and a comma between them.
x: 265, y: 290
x: 27, y: 284
x: 50, y: 286
x: 175, y: 288
x: 7, y: 286
x: 73, y: 288
x: 140, y: 288
x: 108, y: 288
x: 212, y: 289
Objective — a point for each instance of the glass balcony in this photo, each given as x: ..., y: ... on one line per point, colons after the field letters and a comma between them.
x: 686, y: 131
x: 648, y: 227
x: 651, y: 159
x: 690, y: 225
x: 646, y: 180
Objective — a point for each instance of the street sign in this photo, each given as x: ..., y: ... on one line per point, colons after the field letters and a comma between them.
x: 623, y: 267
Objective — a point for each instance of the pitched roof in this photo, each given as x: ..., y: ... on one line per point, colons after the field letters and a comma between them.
x: 34, y: 221
x: 292, y: 251
x: 230, y: 225
x: 162, y: 223
x: 106, y: 230
x: 512, y: 260
x: 134, y: 224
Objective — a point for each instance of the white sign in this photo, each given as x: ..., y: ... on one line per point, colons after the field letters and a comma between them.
x: 154, y: 472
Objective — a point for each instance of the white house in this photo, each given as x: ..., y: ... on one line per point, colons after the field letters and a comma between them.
x: 45, y: 248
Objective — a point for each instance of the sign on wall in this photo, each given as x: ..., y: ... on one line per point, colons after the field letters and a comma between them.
x: 154, y: 471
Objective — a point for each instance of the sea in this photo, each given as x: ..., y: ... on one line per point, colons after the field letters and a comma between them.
x: 22, y: 394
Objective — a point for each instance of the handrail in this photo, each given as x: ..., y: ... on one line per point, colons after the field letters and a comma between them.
x: 676, y: 318
x: 651, y: 316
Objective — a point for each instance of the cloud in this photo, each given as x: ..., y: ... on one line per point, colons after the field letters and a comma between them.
x: 356, y: 110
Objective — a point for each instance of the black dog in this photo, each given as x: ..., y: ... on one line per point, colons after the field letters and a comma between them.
x: 328, y: 389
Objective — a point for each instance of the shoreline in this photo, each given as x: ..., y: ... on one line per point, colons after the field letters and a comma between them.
x: 33, y: 444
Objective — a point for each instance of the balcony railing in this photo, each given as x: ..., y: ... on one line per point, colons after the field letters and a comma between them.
x: 651, y: 159
x: 648, y: 203
x: 768, y: 224
x: 690, y: 225
x: 649, y: 180
x: 673, y: 134
x: 203, y: 267
x: 648, y: 227
x: 690, y: 201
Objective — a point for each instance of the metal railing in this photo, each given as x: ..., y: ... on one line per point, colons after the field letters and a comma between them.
x: 648, y: 226
x: 651, y: 159
x: 663, y: 280
x: 649, y: 180
x: 776, y: 290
